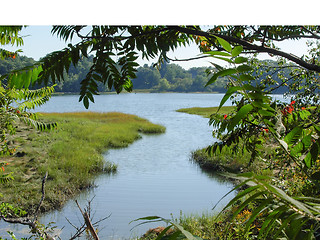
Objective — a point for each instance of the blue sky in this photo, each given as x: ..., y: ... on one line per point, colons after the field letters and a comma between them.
x: 38, y: 41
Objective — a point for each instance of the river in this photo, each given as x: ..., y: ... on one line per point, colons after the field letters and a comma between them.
x: 155, y: 174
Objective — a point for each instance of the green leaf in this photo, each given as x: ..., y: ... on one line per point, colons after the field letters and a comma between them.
x: 307, y: 140
x: 241, y: 114
x: 261, y: 207
x: 244, y: 68
x: 307, y: 160
x: 236, y: 51
x: 86, y: 102
x: 185, y: 233
x: 246, y: 77
x: 224, y: 59
x: 228, y: 94
x: 265, y: 113
x: 293, y: 136
x: 214, y: 53
x: 224, y: 44
x: 239, y: 60
x: 221, y: 73
x: 314, y: 152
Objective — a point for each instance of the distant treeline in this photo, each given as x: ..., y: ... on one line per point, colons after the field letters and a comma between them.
x: 170, y: 77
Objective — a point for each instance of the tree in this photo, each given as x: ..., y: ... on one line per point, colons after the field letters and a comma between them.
x: 146, y: 78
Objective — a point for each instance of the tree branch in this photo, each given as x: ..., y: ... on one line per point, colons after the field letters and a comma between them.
x: 88, y: 222
x: 250, y: 46
x: 186, y: 59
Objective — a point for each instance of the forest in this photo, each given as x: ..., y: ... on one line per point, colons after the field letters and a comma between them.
x: 170, y: 77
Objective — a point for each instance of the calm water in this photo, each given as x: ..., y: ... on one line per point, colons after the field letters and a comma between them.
x: 155, y: 175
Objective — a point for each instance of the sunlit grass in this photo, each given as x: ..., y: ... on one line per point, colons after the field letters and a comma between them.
x: 207, y: 111
x: 71, y: 154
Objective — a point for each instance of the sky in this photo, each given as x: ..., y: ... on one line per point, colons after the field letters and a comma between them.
x: 39, y: 17
x: 38, y: 41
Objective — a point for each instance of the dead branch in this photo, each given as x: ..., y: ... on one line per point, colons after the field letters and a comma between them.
x: 88, y: 222
x: 32, y: 223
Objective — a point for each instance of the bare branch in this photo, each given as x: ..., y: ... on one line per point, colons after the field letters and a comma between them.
x: 186, y: 59
x: 88, y: 222
x: 42, y: 196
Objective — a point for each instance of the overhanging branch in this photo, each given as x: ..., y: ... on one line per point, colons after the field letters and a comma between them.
x: 250, y: 46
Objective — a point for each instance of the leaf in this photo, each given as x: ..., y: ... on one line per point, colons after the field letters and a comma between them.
x: 86, y: 102
x: 214, y: 53
x: 293, y: 136
x: 284, y: 197
x: 246, y: 77
x: 224, y: 44
x: 239, y: 60
x: 236, y: 51
x: 244, y: 68
x: 224, y: 59
x: 307, y: 160
x: 241, y: 114
x: 221, y: 73
x: 184, y: 232
x: 261, y: 207
x: 265, y: 113
x: 314, y: 152
x: 228, y: 94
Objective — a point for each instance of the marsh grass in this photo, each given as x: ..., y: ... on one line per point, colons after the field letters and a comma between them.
x: 225, y: 161
x: 71, y: 154
x: 207, y: 111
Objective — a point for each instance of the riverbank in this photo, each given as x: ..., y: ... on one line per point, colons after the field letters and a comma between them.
x: 71, y: 154
x: 225, y: 161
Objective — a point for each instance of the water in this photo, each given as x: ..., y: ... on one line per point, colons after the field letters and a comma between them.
x: 155, y: 175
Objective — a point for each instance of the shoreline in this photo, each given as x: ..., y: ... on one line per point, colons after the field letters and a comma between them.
x: 71, y: 154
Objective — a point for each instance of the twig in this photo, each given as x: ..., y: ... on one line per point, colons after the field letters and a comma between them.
x: 88, y: 222
x: 42, y: 196
x: 26, y: 221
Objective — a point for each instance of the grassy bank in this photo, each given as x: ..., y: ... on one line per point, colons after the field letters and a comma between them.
x: 71, y: 154
x: 206, y: 111
x: 225, y: 161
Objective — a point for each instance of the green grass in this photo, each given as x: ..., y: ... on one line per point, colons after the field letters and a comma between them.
x: 71, y: 154
x: 206, y: 111
x: 225, y: 161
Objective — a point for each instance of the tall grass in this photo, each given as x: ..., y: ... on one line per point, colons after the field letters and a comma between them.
x: 71, y: 154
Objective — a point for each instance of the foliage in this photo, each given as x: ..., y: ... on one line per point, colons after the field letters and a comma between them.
x: 292, y: 129
x: 15, y: 102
